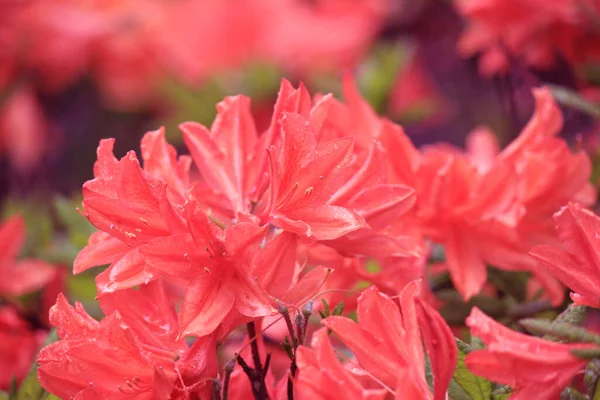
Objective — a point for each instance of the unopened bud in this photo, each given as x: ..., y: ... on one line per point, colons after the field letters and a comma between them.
x: 307, y: 309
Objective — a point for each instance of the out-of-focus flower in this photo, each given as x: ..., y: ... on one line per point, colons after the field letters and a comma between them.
x: 533, y: 367
x: 228, y: 37
x: 20, y: 276
x: 531, y: 30
x: 414, y: 95
x: 577, y: 263
x: 130, y: 47
x: 18, y: 346
x: 24, y: 130
x: 65, y: 40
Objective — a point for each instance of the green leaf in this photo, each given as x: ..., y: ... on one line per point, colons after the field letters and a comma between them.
x: 40, y: 231
x: 477, y: 387
x: 50, y: 396
x: 78, y: 227
x: 596, y: 393
x: 378, y: 73
x: 30, y: 388
x: 339, y: 309
x: 587, y: 354
x: 456, y: 392
x: 561, y: 330
x: 325, y: 308
x: 82, y: 287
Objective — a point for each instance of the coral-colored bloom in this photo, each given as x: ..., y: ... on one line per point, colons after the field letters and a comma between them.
x: 19, y: 276
x: 129, y: 208
x: 225, y: 155
x: 533, y: 367
x: 487, y: 207
x: 304, y: 176
x: 388, y: 342
x: 322, y: 376
x: 219, y: 264
x: 577, y: 263
x: 535, y: 31
x: 266, y: 32
x: 221, y: 234
x: 18, y: 345
x: 132, y: 353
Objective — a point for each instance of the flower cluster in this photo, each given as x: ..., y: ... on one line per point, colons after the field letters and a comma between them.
x: 138, y: 53
x: 130, y: 46
x: 256, y: 228
x: 532, y: 31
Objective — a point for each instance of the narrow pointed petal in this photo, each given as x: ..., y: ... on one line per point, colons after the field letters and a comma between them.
x: 467, y: 268
x: 381, y: 204
x: 160, y: 161
x: 207, y: 301
x: 12, y: 238
x: 440, y: 345
x: 322, y: 223
x: 101, y: 249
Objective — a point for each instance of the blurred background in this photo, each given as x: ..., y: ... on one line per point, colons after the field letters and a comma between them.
x: 75, y: 71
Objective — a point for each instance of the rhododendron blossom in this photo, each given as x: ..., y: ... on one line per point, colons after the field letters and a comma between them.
x: 156, y: 222
x: 388, y: 342
x: 576, y: 263
x: 140, y: 354
x: 536, y: 32
x: 330, y: 209
x: 18, y: 345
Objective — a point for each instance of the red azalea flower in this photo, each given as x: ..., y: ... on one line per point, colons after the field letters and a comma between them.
x: 577, y: 263
x: 226, y: 155
x: 533, y: 367
x: 388, y: 342
x: 534, y: 31
x: 490, y: 208
x: 304, y: 176
x: 24, y: 130
x: 295, y: 177
x: 20, y: 276
x: 218, y: 263
x: 18, y: 345
x: 130, y: 209
x: 322, y: 376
